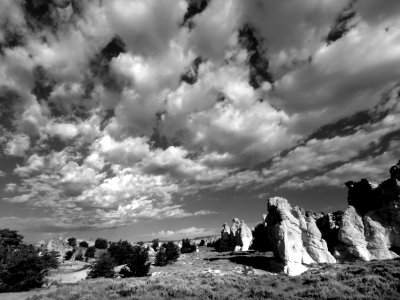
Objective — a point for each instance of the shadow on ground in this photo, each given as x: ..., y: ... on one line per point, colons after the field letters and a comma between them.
x: 265, y: 262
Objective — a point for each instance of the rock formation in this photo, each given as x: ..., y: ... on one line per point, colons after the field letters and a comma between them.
x: 370, y: 227
x: 237, y: 237
x: 295, y: 237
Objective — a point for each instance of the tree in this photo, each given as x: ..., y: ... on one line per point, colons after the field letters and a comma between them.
x: 90, y: 252
x: 120, y: 251
x: 79, y: 257
x: 187, y: 246
x: 68, y: 255
x: 161, y: 257
x: 10, y: 237
x: 100, y: 243
x: 202, y: 243
x: 71, y: 241
x: 21, y: 266
x: 83, y: 244
x: 155, y: 244
x: 138, y: 262
x: 172, y: 251
x: 102, y: 267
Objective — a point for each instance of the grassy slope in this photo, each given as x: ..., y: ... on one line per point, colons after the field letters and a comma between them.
x: 211, y: 275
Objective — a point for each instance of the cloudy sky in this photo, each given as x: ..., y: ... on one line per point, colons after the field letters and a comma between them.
x: 166, y: 118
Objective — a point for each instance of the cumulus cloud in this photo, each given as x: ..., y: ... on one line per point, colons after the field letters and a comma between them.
x: 191, y: 232
x: 120, y: 111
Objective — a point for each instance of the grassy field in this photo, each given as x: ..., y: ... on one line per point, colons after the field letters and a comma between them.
x: 213, y: 275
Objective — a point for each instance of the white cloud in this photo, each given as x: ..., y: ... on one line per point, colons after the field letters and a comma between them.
x: 191, y: 232
x: 18, y: 145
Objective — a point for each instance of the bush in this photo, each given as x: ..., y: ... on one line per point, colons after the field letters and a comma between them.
x: 102, y: 267
x: 79, y: 257
x: 187, y: 247
x: 68, y: 255
x: 83, y: 244
x: 21, y: 267
x: 202, y: 243
x: 161, y: 257
x: 155, y: 244
x: 100, y: 243
x: 138, y: 262
x: 90, y: 252
x: 214, y: 244
x: 71, y: 241
x: 172, y: 251
x: 120, y: 251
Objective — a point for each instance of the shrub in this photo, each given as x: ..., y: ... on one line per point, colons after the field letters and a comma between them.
x: 214, y: 244
x: 120, y: 251
x: 161, y: 257
x: 79, y: 257
x: 68, y: 255
x: 155, y: 244
x: 71, y: 241
x: 187, y: 246
x: 202, y: 243
x: 172, y: 251
x: 50, y: 259
x: 91, y: 250
x: 21, y: 267
x: 83, y: 244
x: 102, y: 267
x: 138, y: 262
x: 101, y: 243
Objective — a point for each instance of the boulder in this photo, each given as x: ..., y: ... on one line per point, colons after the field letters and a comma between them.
x: 295, y: 237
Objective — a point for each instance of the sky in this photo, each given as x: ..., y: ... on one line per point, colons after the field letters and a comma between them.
x: 133, y: 119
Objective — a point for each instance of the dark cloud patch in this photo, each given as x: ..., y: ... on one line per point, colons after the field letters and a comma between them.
x: 258, y: 63
x: 191, y: 75
x: 195, y: 7
x: 43, y: 83
x: 341, y: 25
x: 108, y: 114
x: 351, y: 124
x: 100, y: 65
x: 9, y: 100
x: 11, y: 40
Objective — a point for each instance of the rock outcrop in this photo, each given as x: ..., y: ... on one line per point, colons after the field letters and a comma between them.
x: 295, y: 237
x: 370, y: 227
x: 237, y: 237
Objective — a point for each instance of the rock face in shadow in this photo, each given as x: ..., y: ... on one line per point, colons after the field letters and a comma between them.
x: 370, y: 227
x: 237, y: 237
x: 329, y: 225
x: 295, y: 237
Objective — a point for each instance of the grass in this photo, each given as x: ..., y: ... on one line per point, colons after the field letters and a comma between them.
x: 195, y: 277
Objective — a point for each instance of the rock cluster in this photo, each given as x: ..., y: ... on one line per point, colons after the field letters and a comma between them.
x: 295, y: 237
x: 237, y: 237
x: 369, y: 229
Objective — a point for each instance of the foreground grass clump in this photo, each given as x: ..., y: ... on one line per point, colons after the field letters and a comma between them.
x: 373, y: 280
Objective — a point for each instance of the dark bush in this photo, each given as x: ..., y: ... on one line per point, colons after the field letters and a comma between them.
x: 21, y: 266
x: 155, y: 244
x: 172, y: 251
x: 187, y: 246
x: 79, y: 257
x: 50, y: 259
x: 100, y: 243
x: 90, y: 252
x: 202, y: 243
x: 214, y: 244
x: 161, y: 257
x: 71, y: 241
x: 138, y: 262
x: 68, y: 255
x: 120, y: 251
x: 83, y: 244
x: 102, y: 267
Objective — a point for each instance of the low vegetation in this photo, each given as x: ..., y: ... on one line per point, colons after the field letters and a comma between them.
x: 168, y: 253
x: 102, y: 267
x: 101, y: 243
x: 358, y: 280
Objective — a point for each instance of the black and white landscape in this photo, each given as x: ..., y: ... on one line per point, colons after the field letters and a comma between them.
x: 161, y: 120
